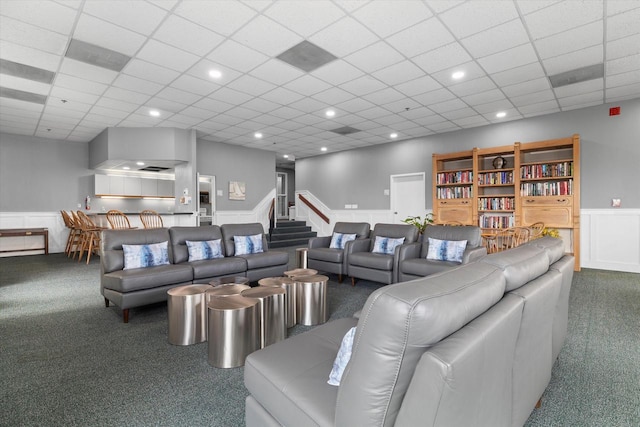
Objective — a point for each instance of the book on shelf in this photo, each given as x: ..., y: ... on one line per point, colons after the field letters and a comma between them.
x: 546, y: 170
x: 454, y: 177
x: 496, y: 221
x: 454, y: 193
x: 555, y: 188
x: 496, y: 203
x: 493, y: 178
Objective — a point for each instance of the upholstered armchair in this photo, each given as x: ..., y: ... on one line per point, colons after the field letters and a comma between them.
x: 447, y: 251
x: 376, y: 258
x: 329, y: 253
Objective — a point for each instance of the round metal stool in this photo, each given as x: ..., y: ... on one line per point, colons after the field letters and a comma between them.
x: 312, y: 299
x: 300, y: 272
x: 187, y: 314
x: 290, y: 288
x: 230, y: 280
x: 272, y: 313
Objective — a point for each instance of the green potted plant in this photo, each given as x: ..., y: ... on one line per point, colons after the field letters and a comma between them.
x: 420, y: 223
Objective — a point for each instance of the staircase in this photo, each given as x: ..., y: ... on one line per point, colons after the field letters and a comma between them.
x: 290, y: 233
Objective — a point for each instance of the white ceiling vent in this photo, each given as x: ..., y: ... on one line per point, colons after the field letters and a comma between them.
x: 345, y: 130
x: 21, y: 95
x: 306, y: 56
x: 28, y: 72
x: 96, y: 55
x: 578, y: 75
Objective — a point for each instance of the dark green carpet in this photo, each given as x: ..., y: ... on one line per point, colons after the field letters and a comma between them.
x: 67, y: 360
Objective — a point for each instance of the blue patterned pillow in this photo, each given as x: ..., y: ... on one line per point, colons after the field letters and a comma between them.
x: 344, y: 354
x: 139, y: 256
x: 386, y: 245
x: 245, y: 245
x: 205, y: 249
x: 446, y: 250
x: 339, y: 240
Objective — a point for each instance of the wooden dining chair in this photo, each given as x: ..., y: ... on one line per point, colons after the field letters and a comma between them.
x: 151, y: 219
x: 73, y: 239
x: 90, y: 237
x: 118, y: 220
x: 535, y: 230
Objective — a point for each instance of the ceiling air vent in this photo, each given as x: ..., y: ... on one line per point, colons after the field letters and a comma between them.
x: 154, y: 169
x: 306, y: 56
x: 578, y: 75
x: 345, y: 130
x: 26, y: 71
x: 96, y: 55
x: 21, y: 95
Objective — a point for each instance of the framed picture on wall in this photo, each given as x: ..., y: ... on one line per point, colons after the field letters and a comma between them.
x: 237, y: 190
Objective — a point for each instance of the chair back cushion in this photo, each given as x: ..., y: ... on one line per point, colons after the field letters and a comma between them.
x: 180, y: 235
x: 394, y: 231
x: 360, y: 229
x: 250, y: 229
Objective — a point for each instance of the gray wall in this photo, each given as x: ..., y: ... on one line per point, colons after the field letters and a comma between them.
x: 39, y: 175
x: 256, y: 168
x: 610, y: 158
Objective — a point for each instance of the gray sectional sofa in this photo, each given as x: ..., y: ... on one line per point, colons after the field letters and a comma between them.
x: 473, y: 345
x: 142, y: 286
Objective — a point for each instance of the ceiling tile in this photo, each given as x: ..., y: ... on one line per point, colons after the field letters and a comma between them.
x: 171, y: 106
x: 276, y: 72
x: 398, y: 73
x: 623, y: 25
x: 423, y: 37
x: 116, y: 104
x: 386, y: 17
x: 267, y: 36
x: 199, y: 113
x: 434, y: 96
x: 363, y: 86
x: 444, y: 57
x: 29, y: 56
x: 518, y: 74
x: 32, y: 36
x: 459, y: 114
x: 471, y: 87
x: 524, y: 88
x: 509, y: 59
x: 337, y: 72
x: 225, y: 16
x: 25, y: 85
x: 250, y: 85
x: 562, y: 16
x: 230, y: 96
x: 180, y: 33
x: 344, y: 37
x: 374, y: 57
x: 578, y: 88
x: 167, y: 56
x: 622, y: 65
x: 496, y: 39
x: 546, y: 107
x: 417, y: 86
x: 141, y: 17
x: 532, y: 98
x: 571, y: 40
x: 305, y: 18
x: 104, y: 34
x: 180, y: 96
x: 623, y: 92
x: 623, y: 79
x: 417, y: 113
x: 530, y: 6
x: 384, y: 96
x: 573, y: 60
x: 148, y: 71
x: 443, y: 107
x: 623, y: 47
x: 125, y: 95
x: 582, y: 99
x: 308, y: 105
x: 137, y: 85
x: 48, y: 15
x: 236, y: 56
x: 492, y: 95
x: 80, y: 85
x: 308, y: 85
x: 193, y: 85
x: 472, y: 17
x: 282, y: 96
x: 91, y: 72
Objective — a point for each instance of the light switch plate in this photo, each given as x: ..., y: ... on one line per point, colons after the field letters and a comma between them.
x: 354, y: 206
x: 386, y: 191
x: 219, y: 192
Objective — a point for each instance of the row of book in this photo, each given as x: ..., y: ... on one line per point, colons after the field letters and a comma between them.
x: 496, y: 203
x: 454, y: 177
x: 491, y: 178
x: 454, y: 193
x: 547, y: 170
x: 496, y: 221
x: 557, y: 188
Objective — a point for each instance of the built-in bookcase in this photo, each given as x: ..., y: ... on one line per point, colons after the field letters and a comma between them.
x: 512, y: 185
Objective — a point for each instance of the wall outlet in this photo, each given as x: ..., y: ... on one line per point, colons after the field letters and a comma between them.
x: 347, y: 206
x: 354, y: 206
x: 386, y: 192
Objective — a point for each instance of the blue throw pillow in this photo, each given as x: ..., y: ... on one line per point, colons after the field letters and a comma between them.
x: 386, y: 245
x: 446, y: 250
x: 205, y: 249
x: 140, y: 256
x: 245, y: 245
x: 339, y: 240
x: 344, y: 354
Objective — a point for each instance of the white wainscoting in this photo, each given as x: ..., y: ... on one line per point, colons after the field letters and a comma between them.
x: 610, y: 239
x: 52, y: 220
x: 259, y: 214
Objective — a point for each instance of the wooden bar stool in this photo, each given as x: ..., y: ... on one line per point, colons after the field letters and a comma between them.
x: 151, y: 219
x: 118, y: 220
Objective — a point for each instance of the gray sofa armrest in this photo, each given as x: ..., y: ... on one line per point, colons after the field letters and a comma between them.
x: 410, y: 250
x: 358, y: 245
x: 473, y: 254
x: 319, y: 242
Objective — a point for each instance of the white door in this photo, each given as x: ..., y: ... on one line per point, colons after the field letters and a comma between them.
x: 407, y: 196
x: 282, y: 211
x: 206, y: 199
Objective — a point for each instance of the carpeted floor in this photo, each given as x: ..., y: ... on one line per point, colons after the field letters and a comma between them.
x: 67, y: 360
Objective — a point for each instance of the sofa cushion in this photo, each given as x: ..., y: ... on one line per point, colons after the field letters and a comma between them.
x: 180, y: 235
x: 552, y: 245
x: 339, y: 240
x: 265, y: 259
x: 520, y: 265
x: 472, y: 234
x: 342, y: 358
x: 398, y: 323
x: 245, y: 245
x: 204, y: 249
x: 146, y: 278
x: 371, y: 260
x: 446, y: 250
x: 249, y: 229
x: 326, y: 254
x: 112, y: 257
x: 141, y: 256
x: 219, y: 267
x: 386, y: 245
x: 424, y: 267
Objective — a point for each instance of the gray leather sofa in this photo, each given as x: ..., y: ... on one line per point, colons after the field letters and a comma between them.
x: 412, y: 259
x: 142, y: 286
x: 363, y: 263
x: 471, y: 346
x: 332, y: 260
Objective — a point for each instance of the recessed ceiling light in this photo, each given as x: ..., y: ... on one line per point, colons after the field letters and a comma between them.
x: 394, y: 135
x: 501, y: 114
x: 323, y: 149
x: 140, y: 163
x: 330, y: 113
x: 457, y: 75
x: 257, y: 135
x: 286, y: 156
x: 126, y: 168
x: 154, y: 113
x: 215, y: 74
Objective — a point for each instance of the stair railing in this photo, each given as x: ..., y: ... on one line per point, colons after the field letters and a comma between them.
x: 272, y: 222
x: 313, y: 208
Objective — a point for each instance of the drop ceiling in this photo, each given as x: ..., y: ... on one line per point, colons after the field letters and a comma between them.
x: 391, y: 73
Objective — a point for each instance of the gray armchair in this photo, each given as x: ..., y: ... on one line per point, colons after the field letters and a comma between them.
x: 323, y: 258
x: 364, y: 263
x: 413, y: 262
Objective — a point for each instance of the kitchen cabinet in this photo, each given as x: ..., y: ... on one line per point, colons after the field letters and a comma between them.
x: 149, y: 187
x: 132, y: 186
x: 166, y: 188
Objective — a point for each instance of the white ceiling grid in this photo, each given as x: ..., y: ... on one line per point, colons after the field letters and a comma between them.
x: 393, y: 72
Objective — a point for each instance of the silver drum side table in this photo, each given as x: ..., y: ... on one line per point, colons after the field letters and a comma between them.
x: 272, y: 313
x: 187, y: 314
x: 291, y: 293
x: 312, y: 299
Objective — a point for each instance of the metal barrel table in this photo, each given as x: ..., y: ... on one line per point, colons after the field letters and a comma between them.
x: 233, y: 330
x: 290, y: 287
x: 225, y: 291
x: 272, y: 310
x: 230, y: 280
x: 301, y: 257
x: 301, y: 272
x: 187, y: 314
x: 312, y: 299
